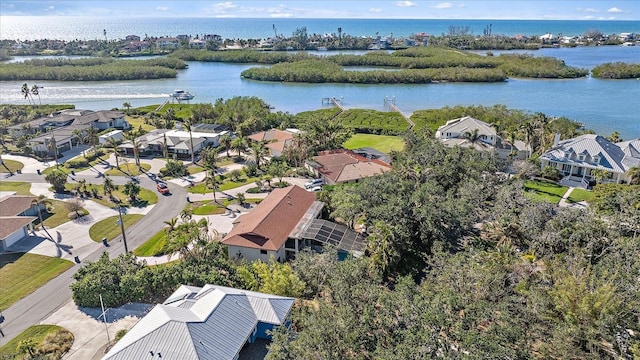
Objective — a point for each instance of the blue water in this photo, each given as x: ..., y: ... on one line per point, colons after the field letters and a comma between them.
x: 70, y: 28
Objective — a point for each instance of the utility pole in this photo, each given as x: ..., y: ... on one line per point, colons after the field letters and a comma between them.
x: 124, y: 237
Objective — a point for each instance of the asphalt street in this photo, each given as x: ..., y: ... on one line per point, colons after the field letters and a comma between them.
x: 46, y: 300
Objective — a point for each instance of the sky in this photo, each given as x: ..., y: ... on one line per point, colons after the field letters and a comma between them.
x: 371, y: 9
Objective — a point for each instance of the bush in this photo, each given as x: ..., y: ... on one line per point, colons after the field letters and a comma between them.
x: 56, y: 344
x: 254, y: 190
x: 77, y: 163
x: 120, y: 334
x: 174, y: 169
x: 251, y: 169
x: 551, y: 173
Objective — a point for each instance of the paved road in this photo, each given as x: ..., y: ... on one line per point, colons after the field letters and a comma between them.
x: 46, y: 300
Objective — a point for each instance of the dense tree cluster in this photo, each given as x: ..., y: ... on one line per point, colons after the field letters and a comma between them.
x: 460, y: 264
x: 617, y: 70
x: 91, y: 69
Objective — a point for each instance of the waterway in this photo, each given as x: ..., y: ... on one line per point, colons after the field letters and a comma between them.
x: 602, y: 105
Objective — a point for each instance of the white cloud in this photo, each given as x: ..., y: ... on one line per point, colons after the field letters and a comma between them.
x: 611, y: 18
x: 462, y: 6
x: 444, y: 5
x: 225, y: 5
x: 375, y: 10
x: 588, y: 10
x: 162, y: 8
x: 50, y: 8
x: 281, y: 15
x: 614, y: 10
x: 406, y: 4
x: 589, y: 17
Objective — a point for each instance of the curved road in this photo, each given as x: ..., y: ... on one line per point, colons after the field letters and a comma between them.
x: 47, y: 299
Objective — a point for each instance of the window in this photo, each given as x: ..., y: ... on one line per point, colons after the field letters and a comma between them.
x: 596, y: 159
x: 581, y: 157
x: 263, y: 252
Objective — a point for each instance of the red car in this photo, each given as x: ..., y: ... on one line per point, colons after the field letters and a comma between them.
x: 163, y: 188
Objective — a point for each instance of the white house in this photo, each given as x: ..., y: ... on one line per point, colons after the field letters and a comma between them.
x: 209, y: 323
x: 116, y: 135
x: 577, y: 158
x: 458, y: 132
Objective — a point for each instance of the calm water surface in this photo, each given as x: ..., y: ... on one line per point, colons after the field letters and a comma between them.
x: 602, y: 105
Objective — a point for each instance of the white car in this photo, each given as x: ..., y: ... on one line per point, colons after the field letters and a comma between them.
x: 313, y: 183
x: 315, y: 189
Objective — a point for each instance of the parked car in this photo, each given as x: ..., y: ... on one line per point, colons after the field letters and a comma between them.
x: 315, y: 189
x: 163, y: 188
x: 313, y: 183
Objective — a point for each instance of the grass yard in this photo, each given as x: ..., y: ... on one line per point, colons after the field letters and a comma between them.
x: 145, y: 198
x: 22, y: 274
x: 46, y: 337
x: 578, y: 195
x: 137, y: 121
x: 153, y: 246
x: 129, y: 169
x: 58, y: 215
x: 207, y: 208
x: 544, y: 191
x: 21, y: 188
x: 194, y: 169
x: 202, y: 188
x: 12, y: 165
x: 110, y: 228
x: 383, y: 143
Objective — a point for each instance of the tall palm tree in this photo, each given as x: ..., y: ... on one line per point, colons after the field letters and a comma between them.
x: 212, y: 182
x: 81, y: 135
x: 164, y: 146
x: 108, y: 186
x: 189, y: 124
x: 172, y: 224
x: 114, y: 143
x: 92, y: 138
x: 528, y: 130
x: 136, y: 148
x: 26, y: 92
x: 260, y: 152
x: 37, y: 203
x: 542, y: 124
x: 225, y: 140
x: 52, y: 148
x: 473, y: 136
x: 238, y: 144
x: 35, y: 90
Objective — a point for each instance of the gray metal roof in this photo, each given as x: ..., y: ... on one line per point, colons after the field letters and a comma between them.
x: 467, y: 124
x: 212, y: 322
x: 594, y: 147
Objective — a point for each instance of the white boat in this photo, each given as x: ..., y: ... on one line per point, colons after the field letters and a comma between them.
x: 181, y: 95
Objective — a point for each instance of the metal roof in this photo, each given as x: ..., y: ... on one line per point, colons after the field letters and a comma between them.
x: 609, y: 156
x: 212, y: 322
x: 340, y: 236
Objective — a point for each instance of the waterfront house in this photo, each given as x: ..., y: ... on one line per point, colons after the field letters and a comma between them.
x: 473, y: 133
x: 275, y: 140
x: 178, y: 142
x: 16, y: 217
x: 344, y: 166
x: 132, y: 38
x: 208, y: 323
x: 168, y: 43
x: 576, y: 159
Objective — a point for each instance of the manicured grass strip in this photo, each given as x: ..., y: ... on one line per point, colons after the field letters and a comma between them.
x: 202, y: 188
x: 58, y: 215
x: 544, y: 191
x: 129, y: 169
x: 39, y: 333
x: 21, y: 188
x: 110, y: 228
x: 383, y: 143
x: 194, y: 169
x: 578, y: 195
x: 12, y: 165
x: 210, y: 208
x: 26, y: 274
x: 153, y: 246
x: 137, y: 122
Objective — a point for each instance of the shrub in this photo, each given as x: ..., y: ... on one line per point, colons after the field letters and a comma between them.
x: 175, y: 169
x: 551, y: 173
x: 56, y: 344
x: 253, y: 190
x: 251, y: 169
x: 77, y: 163
x: 120, y: 334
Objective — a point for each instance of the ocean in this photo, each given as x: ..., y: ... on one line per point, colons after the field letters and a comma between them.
x: 89, y: 28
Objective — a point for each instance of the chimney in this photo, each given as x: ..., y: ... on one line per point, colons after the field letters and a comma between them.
x: 556, y: 139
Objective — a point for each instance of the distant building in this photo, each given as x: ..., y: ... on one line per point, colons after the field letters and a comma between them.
x: 168, y: 43
x: 132, y: 38
x: 276, y: 140
x: 208, y: 323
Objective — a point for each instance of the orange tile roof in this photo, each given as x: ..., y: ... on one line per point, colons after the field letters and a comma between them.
x: 15, y: 204
x: 276, y: 139
x: 268, y: 226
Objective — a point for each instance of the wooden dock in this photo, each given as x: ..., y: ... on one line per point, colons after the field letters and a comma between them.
x: 161, y: 106
x: 391, y: 103
x: 335, y: 101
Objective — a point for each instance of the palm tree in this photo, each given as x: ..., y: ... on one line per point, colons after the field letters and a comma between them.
x: 114, y: 143
x: 238, y: 144
x: 542, y: 123
x: 80, y: 134
x: 528, y: 130
x: 212, y: 182
x: 136, y: 148
x: 634, y: 175
x: 92, y: 138
x: 225, y: 140
x: 26, y: 92
x: 35, y: 90
x: 126, y: 105
x: 108, y: 187
x: 186, y: 215
x: 164, y: 146
x: 52, y: 147
x: 38, y: 202
x: 188, y: 124
x: 472, y: 136
x: 260, y: 152
x: 172, y: 224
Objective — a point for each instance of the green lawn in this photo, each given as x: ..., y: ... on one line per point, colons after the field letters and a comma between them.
x: 208, y: 208
x: 58, y: 215
x: 22, y: 274
x: 145, y: 198
x: 153, y: 246
x: 544, y: 191
x: 129, y: 169
x: 21, y: 188
x: 110, y: 228
x: 12, y: 165
x: 202, y: 188
x: 578, y: 195
x: 38, y: 333
x: 383, y: 143
x: 138, y: 121
x: 194, y: 169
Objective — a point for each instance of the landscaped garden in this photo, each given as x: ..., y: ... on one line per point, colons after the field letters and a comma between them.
x: 383, y: 143
x: 110, y: 227
x: 48, y: 341
x: 22, y: 274
x: 544, y: 191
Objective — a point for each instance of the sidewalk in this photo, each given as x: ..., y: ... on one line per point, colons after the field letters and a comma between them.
x: 565, y: 203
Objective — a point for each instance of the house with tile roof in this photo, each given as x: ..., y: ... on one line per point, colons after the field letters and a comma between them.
x: 577, y: 158
x: 275, y: 140
x: 16, y: 218
x: 457, y: 132
x: 273, y: 228
x: 344, y: 166
x: 209, y: 323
